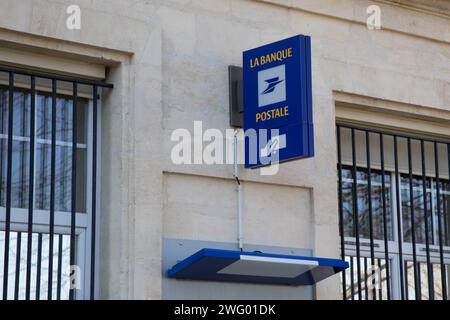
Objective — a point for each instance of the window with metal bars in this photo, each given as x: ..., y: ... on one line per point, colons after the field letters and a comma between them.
x: 49, y: 142
x: 394, y: 212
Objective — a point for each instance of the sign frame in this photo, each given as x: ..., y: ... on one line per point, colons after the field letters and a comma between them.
x: 289, y: 112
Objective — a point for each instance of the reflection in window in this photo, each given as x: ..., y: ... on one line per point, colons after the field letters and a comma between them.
x: 371, y: 277
x: 363, y: 203
x: 423, y: 280
x: 444, y: 187
x: 21, y: 150
x: 423, y: 196
x: 39, y: 265
x: 420, y: 216
x: 431, y: 215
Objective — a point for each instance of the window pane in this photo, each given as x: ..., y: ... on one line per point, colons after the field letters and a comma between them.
x: 3, y: 143
x: 43, y: 117
x: 445, y: 211
x: 42, y: 173
x: 377, y: 206
x: 418, y: 207
x: 347, y: 203
x: 20, y: 174
x: 20, y: 186
x: 44, y: 243
x: 437, y: 276
x: 423, y: 278
x: 3, y: 111
x: 63, y: 119
x: 371, y: 277
x: 363, y: 204
x: 21, y: 149
x: 431, y: 214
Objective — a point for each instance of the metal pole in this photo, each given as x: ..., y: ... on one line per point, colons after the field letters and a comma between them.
x: 356, y: 214
x: 341, y: 210
x: 238, y: 190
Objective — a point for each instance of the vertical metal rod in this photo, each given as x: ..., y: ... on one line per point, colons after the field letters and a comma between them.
x: 52, y: 193
x: 38, y: 267
x: 238, y: 190
x: 43, y: 162
x: 438, y: 207
x: 420, y: 281
x: 425, y: 210
x: 64, y: 161
x: 240, y: 217
x: 23, y: 159
x: 17, y: 272
x: 3, y: 109
x: 22, y: 163
x: 444, y: 209
x: 30, y: 188
x: 366, y: 287
x: 413, y: 224
x: 385, y: 230
x: 447, y: 217
x: 447, y: 229
x: 399, y: 220
x: 369, y: 196
x: 355, y: 213
x: 352, y: 281
x: 8, y: 186
x: 2, y: 130
x: 74, y: 184
x: 444, y: 212
x: 341, y: 210
x: 381, y: 279
x: 406, y: 280
x: 59, y: 277
x: 94, y: 192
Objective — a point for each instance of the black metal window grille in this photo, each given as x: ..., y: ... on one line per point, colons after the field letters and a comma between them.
x: 396, y: 248
x: 48, y: 188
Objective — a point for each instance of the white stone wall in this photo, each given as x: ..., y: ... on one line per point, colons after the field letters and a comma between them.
x: 171, y: 69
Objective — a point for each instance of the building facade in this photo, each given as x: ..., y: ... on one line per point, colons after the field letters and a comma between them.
x: 137, y: 71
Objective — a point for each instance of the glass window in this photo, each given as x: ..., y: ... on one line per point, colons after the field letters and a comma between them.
x: 39, y: 265
x: 420, y: 216
x: 363, y: 203
x: 21, y: 149
x: 42, y: 180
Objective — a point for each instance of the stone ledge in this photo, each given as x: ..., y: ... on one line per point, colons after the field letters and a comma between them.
x: 407, y: 17
x: 440, y: 7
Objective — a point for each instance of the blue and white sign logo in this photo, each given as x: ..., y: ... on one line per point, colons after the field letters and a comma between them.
x: 271, y: 85
x: 278, y: 102
x: 273, y: 145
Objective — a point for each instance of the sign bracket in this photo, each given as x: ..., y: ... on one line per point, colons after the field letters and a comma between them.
x: 236, y: 99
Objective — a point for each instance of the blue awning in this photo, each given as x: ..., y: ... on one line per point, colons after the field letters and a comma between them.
x: 255, y: 267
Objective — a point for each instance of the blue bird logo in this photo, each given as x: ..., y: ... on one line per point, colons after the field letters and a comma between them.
x: 271, y: 84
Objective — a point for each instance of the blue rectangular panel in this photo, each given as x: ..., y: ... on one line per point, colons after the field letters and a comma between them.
x: 271, y: 146
x: 255, y: 267
x: 277, y: 94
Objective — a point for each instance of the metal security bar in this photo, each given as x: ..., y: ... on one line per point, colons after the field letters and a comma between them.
x: 48, y: 152
x: 394, y: 214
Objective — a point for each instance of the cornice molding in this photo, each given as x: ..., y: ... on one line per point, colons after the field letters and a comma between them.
x: 428, y: 19
x: 435, y: 7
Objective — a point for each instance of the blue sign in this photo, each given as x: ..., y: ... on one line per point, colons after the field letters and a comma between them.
x: 278, y: 102
x: 255, y: 267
